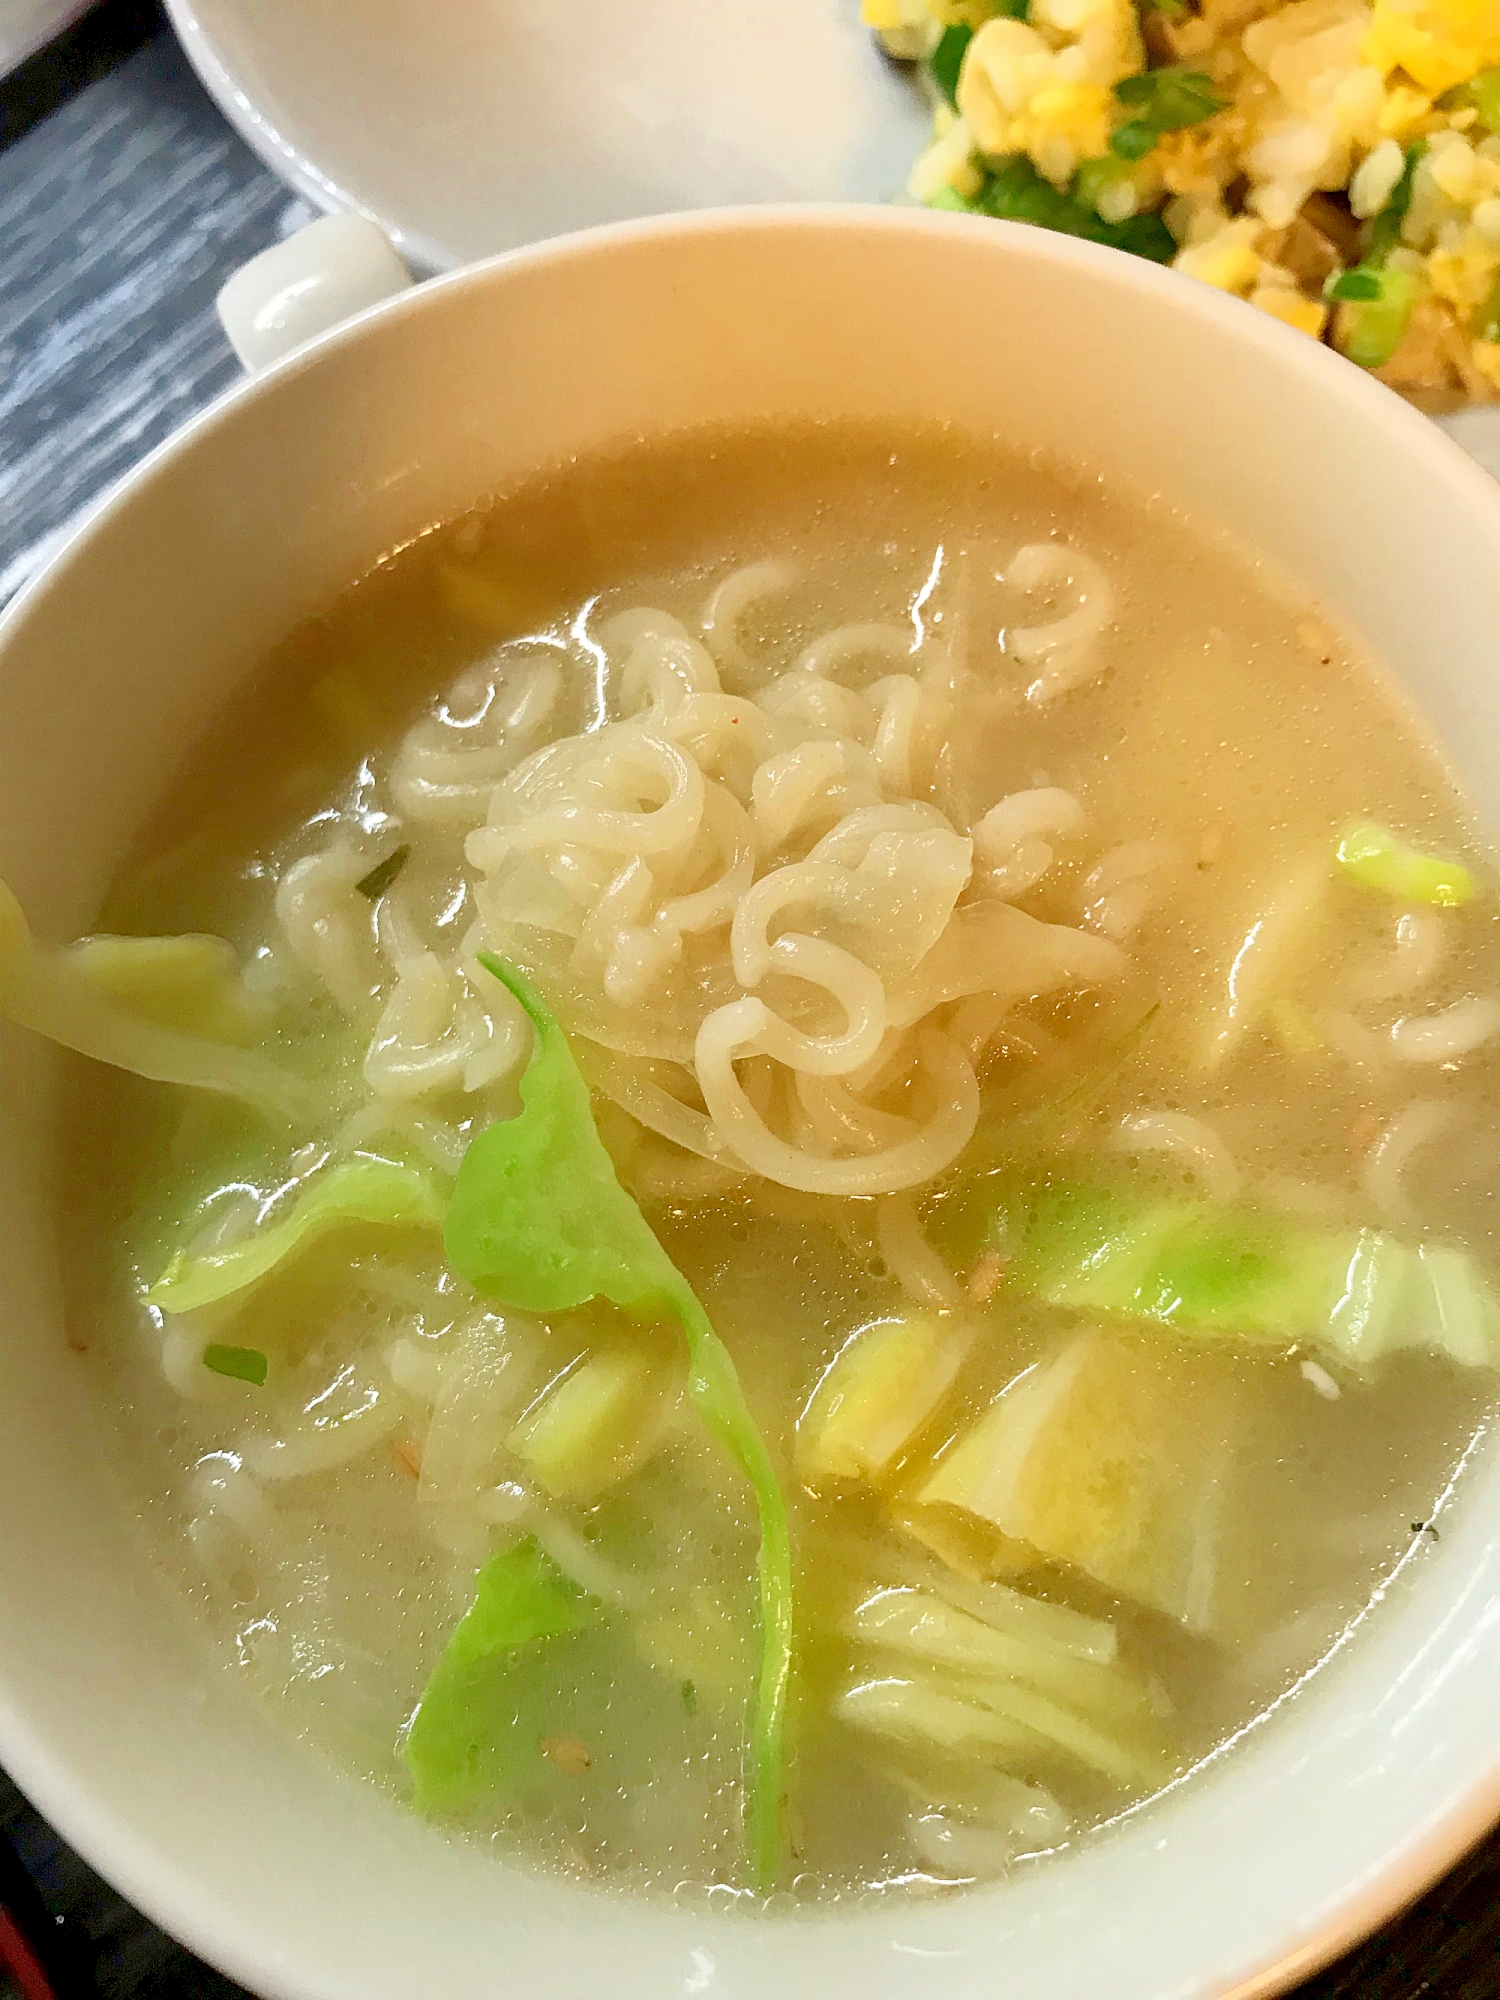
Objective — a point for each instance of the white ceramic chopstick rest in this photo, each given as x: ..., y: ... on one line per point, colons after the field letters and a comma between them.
x: 314, y: 280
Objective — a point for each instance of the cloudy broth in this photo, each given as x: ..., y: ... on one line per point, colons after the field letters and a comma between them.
x: 1087, y: 1453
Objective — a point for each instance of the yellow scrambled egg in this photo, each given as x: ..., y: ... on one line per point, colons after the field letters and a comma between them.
x: 1334, y: 162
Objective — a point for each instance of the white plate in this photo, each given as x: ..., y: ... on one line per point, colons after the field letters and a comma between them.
x: 469, y: 126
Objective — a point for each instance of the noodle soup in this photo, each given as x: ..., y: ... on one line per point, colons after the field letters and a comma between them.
x: 806, y: 1193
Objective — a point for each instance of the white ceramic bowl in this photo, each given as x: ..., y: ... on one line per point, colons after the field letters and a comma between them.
x: 113, y: 1715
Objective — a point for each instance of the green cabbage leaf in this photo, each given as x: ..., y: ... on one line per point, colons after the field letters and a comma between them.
x: 170, y: 1009
x: 382, y: 1192
x: 540, y: 1222
x: 1236, y: 1271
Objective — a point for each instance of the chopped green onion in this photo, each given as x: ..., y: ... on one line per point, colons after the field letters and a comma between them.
x: 1168, y: 100
x: 1133, y: 141
x: 384, y: 873
x: 1017, y: 10
x: 1095, y: 178
x: 1163, y: 100
x: 1481, y: 93
x: 690, y: 1698
x: 1375, y: 858
x: 1018, y: 193
x: 1173, y: 9
x: 1355, y: 285
x: 1377, y: 312
x: 1484, y: 89
x: 947, y: 58
x: 1141, y: 235
x: 950, y: 199
x: 1098, y: 179
x: 244, y: 1364
x: 1383, y: 232
x: 1486, y: 322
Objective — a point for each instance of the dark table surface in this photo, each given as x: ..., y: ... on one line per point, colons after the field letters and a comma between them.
x: 125, y: 201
